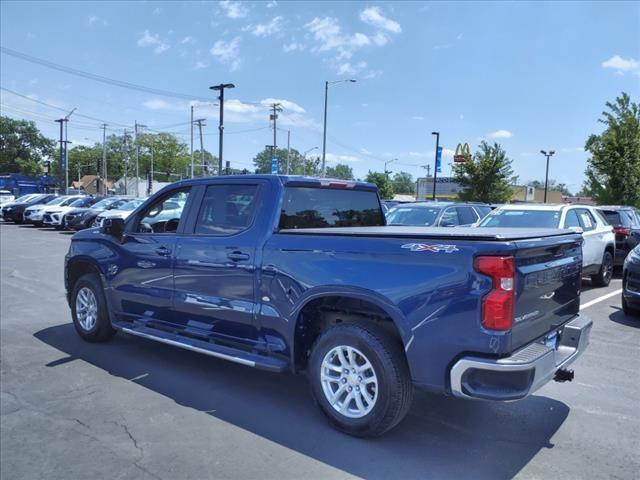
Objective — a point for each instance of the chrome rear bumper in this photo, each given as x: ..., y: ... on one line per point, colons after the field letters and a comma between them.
x: 523, y: 372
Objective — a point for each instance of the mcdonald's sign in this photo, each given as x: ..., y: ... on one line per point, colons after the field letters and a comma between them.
x: 462, y: 153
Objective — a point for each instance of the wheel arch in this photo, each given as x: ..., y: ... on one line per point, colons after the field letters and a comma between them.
x: 323, y: 307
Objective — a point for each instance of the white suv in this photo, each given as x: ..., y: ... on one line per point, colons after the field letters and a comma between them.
x: 598, y: 249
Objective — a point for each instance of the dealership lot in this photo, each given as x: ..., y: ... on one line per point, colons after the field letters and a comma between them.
x: 131, y: 408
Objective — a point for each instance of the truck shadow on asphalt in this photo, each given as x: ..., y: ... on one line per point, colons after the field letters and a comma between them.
x: 620, y: 317
x: 440, y: 438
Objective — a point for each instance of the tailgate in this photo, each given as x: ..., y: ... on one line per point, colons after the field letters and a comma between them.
x: 548, y: 275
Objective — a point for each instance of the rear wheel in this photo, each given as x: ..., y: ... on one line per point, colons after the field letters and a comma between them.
x: 89, y: 310
x: 603, y: 277
x: 360, y: 379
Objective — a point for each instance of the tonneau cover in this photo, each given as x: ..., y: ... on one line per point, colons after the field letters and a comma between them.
x: 451, y: 233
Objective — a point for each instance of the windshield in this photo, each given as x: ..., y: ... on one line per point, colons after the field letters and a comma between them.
x: 81, y: 202
x: 104, y: 203
x: 522, y: 219
x: 412, y: 215
x: 24, y: 198
x: 132, y: 205
x: 56, y: 201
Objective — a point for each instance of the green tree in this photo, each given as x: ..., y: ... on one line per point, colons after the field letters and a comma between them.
x: 485, y: 177
x: 341, y: 170
x: 552, y: 185
x: 23, y: 149
x: 403, y: 183
x: 298, y: 165
x: 613, y: 171
x: 171, y: 158
x: 385, y: 187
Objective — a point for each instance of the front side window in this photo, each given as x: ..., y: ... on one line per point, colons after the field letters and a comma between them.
x: 450, y: 218
x: 226, y: 209
x: 163, y: 215
x: 571, y: 219
x: 312, y: 207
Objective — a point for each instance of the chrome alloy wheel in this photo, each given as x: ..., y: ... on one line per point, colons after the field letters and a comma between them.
x: 86, y: 308
x: 349, y: 382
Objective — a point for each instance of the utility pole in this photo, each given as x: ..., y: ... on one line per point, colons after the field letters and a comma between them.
x: 151, y: 173
x: 275, y: 107
x: 135, y: 130
x: 288, y: 149
x: 221, y: 88
x: 324, y: 130
x: 66, y: 151
x: 386, y: 172
x: 435, y: 165
x: 105, y: 188
x: 125, y: 159
x: 191, y: 141
x: 200, y: 125
x: 428, y: 168
x: 62, y: 159
x: 546, y: 176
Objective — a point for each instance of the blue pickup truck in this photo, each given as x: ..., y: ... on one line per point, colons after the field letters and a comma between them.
x: 294, y: 274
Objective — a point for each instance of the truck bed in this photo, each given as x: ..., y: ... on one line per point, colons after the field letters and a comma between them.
x: 449, y: 233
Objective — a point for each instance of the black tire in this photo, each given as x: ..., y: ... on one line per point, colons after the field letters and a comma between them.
x: 58, y: 227
x: 628, y: 309
x: 17, y: 219
x: 603, y: 277
x: 394, y: 387
x: 102, y: 329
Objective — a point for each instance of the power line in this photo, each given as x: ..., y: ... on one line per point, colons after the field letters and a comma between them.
x: 99, y: 78
x: 59, y: 108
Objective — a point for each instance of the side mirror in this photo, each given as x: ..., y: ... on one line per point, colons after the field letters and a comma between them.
x: 113, y: 226
x: 577, y: 230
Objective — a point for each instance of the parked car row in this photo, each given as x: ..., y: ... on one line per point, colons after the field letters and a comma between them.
x: 74, y: 212
x: 609, y: 233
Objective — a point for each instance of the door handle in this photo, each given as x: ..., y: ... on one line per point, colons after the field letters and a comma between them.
x: 237, y: 256
x: 163, y: 251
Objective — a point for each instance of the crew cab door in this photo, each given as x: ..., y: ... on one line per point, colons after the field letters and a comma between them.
x: 215, y: 263
x: 142, y: 287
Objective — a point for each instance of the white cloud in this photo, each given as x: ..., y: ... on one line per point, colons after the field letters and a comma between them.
x: 364, y: 151
x: 200, y: 65
x: 271, y: 4
x: 372, y: 16
x: 159, y: 104
x: 233, y: 9
x: 416, y: 154
x: 265, y: 29
x: 148, y: 39
x: 380, y: 39
x: 227, y: 53
x: 500, y: 134
x: 292, y: 47
x: 622, y: 65
x: 417, y: 117
x: 328, y: 33
x: 333, y: 158
x: 286, y: 104
x: 348, y: 68
x: 188, y: 39
x: 96, y: 20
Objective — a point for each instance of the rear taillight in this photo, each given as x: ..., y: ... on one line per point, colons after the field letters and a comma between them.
x: 497, y: 305
x: 622, y: 231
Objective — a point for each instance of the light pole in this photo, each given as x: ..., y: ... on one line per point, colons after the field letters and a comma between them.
x: 435, y: 166
x: 221, y: 88
x: 324, y: 132
x: 304, y: 160
x: 546, y: 176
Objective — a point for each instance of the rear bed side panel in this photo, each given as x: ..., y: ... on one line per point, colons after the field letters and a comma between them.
x: 434, y: 297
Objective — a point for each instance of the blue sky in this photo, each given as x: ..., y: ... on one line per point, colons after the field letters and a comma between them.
x: 530, y: 75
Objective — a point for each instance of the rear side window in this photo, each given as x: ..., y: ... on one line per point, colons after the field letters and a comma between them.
x: 483, y: 210
x: 467, y: 215
x: 522, y: 219
x: 308, y: 207
x: 450, y: 218
x: 586, y: 219
x: 226, y: 209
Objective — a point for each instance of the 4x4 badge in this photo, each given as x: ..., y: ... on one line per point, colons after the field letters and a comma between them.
x: 423, y: 247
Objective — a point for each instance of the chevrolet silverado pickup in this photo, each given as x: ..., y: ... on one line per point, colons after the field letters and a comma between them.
x: 296, y: 274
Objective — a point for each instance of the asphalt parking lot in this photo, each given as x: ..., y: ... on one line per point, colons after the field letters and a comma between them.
x: 132, y: 408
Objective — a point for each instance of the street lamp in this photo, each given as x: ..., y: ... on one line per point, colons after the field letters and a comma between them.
x: 435, y: 166
x: 324, y: 133
x: 546, y: 176
x: 221, y: 88
x: 304, y: 160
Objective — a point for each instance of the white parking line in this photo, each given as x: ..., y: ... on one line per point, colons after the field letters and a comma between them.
x: 599, y: 299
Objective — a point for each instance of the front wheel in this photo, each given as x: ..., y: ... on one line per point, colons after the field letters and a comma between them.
x: 360, y: 379
x: 89, y: 310
x: 603, y: 277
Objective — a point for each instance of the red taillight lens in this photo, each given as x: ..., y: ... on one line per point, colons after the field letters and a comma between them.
x: 622, y: 231
x: 497, y: 305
